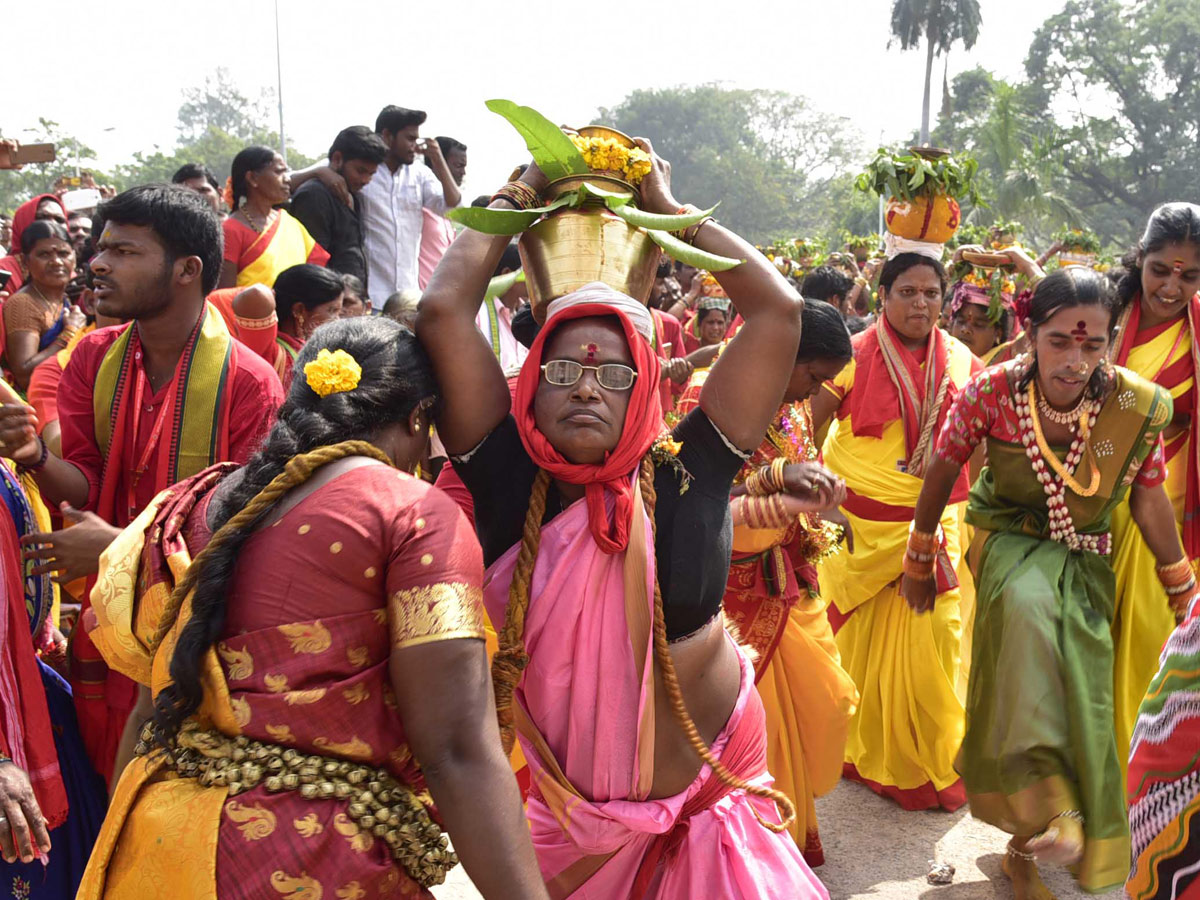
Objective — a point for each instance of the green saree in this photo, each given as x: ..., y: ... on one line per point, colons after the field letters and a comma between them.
x: 1039, y: 736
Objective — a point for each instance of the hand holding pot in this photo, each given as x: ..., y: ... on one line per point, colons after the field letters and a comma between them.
x: 656, y: 186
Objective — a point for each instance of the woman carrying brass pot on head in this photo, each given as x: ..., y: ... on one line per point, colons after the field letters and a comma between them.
x: 318, y: 671
x: 608, y: 547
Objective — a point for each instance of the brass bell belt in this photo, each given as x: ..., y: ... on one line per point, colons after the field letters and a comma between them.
x: 379, y: 803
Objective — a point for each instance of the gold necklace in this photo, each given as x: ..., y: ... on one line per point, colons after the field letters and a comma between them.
x: 1055, y: 463
x: 245, y: 211
x: 43, y: 297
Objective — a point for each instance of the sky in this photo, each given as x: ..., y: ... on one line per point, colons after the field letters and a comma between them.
x: 119, y: 80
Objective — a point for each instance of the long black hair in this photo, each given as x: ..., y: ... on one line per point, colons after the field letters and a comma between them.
x: 251, y: 159
x: 1171, y: 223
x: 1064, y: 288
x: 396, y: 377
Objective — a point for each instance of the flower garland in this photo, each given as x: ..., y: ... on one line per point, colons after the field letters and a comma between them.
x: 608, y: 155
x: 1062, y: 526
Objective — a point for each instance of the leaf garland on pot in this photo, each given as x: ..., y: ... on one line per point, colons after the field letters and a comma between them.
x: 1078, y: 240
x: 922, y: 187
x: 593, y: 167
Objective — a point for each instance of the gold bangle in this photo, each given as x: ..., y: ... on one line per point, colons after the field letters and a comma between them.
x: 781, y: 515
x: 777, y: 467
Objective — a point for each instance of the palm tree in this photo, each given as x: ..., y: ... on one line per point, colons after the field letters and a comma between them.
x: 939, y: 23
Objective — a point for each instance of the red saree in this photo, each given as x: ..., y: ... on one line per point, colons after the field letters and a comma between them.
x: 303, y: 664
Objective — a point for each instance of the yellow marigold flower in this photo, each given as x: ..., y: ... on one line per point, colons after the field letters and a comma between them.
x: 671, y: 446
x: 333, y: 373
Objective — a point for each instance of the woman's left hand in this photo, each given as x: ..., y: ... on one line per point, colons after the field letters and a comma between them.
x: 656, y: 185
x: 811, y: 481
x: 919, y: 593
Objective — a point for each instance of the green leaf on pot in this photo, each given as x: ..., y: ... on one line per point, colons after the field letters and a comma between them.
x: 504, y: 221
x: 612, y: 199
x: 502, y: 284
x: 689, y: 255
x: 552, y: 150
x: 657, y: 222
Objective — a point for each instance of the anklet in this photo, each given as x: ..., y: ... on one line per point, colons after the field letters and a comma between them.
x: 1021, y: 854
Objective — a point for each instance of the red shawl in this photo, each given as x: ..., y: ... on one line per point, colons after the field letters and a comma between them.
x: 25, y: 732
x: 22, y: 219
x: 643, y: 423
x: 882, y: 393
x: 1170, y: 377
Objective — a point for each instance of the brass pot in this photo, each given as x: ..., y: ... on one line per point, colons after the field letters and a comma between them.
x: 611, y: 183
x: 603, y: 131
x: 574, y: 247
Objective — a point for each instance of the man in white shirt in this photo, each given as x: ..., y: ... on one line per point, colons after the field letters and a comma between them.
x: 393, y: 200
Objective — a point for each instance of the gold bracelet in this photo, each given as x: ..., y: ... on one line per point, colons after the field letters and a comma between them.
x: 781, y: 515
x: 777, y: 467
x: 918, y: 570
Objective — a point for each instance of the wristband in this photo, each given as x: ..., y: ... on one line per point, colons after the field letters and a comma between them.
x: 40, y: 464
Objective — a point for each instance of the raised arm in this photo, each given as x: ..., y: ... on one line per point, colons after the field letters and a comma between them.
x: 475, y: 397
x: 746, y: 385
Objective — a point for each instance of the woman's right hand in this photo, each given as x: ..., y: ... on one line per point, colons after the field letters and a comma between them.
x: 22, y: 829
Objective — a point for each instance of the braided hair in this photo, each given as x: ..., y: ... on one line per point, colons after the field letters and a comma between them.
x: 512, y: 657
x: 310, y: 431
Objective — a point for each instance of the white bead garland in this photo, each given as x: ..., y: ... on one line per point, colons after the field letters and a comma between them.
x: 1062, y: 527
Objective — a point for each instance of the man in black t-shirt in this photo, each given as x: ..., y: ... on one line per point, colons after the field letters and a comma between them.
x: 355, y: 155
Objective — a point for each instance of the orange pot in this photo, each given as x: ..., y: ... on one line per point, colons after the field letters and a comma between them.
x: 923, y: 218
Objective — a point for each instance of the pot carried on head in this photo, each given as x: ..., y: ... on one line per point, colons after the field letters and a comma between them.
x: 586, y: 226
x: 572, y: 247
x: 924, y: 218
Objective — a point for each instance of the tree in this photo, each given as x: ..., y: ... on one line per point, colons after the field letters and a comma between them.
x: 215, y: 121
x: 17, y: 186
x: 1021, y: 155
x: 940, y: 23
x: 767, y: 156
x: 1126, y: 78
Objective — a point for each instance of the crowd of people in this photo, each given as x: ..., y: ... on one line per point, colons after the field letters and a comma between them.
x: 330, y: 560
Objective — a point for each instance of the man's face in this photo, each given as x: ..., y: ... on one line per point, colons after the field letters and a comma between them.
x: 204, y: 189
x: 457, y: 163
x: 133, y: 277
x: 79, y: 228
x: 402, y: 145
x: 357, y: 172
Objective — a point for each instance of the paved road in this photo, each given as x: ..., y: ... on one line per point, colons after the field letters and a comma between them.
x: 877, y: 851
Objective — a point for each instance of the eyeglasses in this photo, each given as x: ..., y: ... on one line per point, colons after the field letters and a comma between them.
x: 566, y: 372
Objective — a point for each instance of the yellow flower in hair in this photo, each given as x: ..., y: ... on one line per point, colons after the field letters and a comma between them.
x: 333, y: 373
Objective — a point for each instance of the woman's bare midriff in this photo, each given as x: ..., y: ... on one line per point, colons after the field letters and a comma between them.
x: 709, y: 673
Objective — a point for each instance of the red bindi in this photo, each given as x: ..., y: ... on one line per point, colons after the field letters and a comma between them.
x: 591, y: 350
x: 1080, y: 332
x: 1178, y: 269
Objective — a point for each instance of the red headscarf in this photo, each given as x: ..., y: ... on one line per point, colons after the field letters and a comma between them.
x: 22, y: 219
x: 643, y: 424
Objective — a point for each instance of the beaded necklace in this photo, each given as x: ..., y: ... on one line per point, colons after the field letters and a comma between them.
x: 1062, y: 526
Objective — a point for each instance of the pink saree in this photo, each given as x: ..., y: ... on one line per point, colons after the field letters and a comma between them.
x: 584, y: 712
